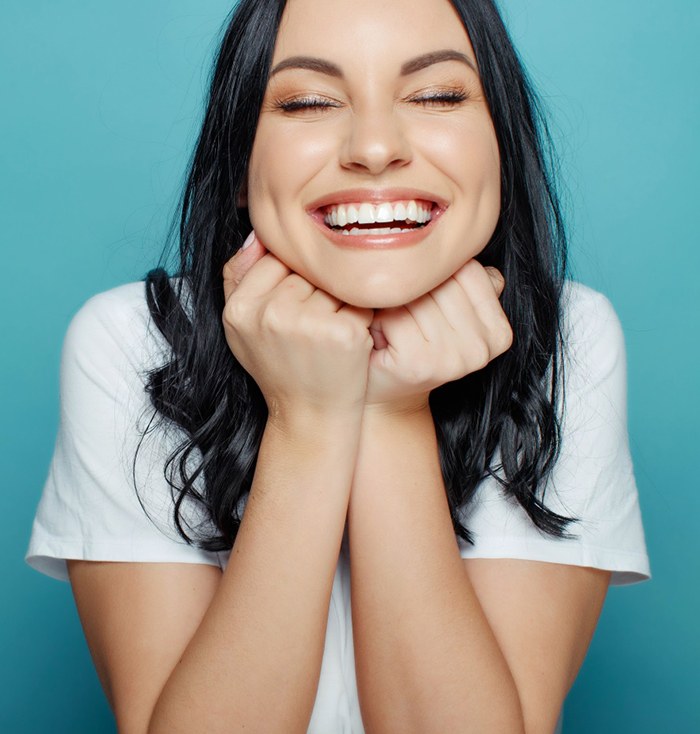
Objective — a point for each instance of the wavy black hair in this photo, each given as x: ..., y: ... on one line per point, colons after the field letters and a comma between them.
x: 501, y: 421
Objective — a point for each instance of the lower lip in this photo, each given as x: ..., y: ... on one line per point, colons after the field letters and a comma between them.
x: 377, y: 241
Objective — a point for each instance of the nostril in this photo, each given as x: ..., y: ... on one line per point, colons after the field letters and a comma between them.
x: 376, y: 151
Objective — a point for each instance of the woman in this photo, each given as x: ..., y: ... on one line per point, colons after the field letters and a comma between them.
x: 390, y: 361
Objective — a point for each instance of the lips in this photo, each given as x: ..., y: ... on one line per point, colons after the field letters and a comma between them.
x: 376, y: 214
x: 405, y: 214
x: 377, y: 219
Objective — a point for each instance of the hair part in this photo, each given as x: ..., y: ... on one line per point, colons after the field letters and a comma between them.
x: 501, y: 422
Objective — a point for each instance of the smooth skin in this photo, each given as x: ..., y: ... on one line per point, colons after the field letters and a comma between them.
x: 374, y: 124
x: 442, y: 644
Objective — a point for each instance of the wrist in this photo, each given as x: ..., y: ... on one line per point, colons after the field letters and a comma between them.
x: 404, y: 408
x: 311, y: 423
x: 384, y: 425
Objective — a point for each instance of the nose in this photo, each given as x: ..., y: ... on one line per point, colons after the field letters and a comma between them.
x: 375, y: 142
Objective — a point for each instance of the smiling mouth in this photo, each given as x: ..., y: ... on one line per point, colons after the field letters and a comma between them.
x: 387, y: 217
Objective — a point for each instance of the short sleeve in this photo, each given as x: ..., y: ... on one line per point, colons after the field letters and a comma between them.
x: 593, y: 478
x: 90, y: 508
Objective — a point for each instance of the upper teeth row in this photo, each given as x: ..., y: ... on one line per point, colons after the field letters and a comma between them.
x: 339, y: 215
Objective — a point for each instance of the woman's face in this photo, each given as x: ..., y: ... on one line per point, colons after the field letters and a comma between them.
x: 375, y: 171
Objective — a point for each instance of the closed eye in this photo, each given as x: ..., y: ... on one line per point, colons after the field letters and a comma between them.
x: 441, y: 98
x: 305, y: 103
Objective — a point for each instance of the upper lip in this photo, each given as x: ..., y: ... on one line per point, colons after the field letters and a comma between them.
x: 375, y: 196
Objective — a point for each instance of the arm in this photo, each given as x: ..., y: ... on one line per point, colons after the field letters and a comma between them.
x: 203, y: 651
x: 427, y: 660
x: 444, y: 644
x: 188, y: 650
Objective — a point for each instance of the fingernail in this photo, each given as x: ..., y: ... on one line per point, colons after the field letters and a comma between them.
x: 249, y: 240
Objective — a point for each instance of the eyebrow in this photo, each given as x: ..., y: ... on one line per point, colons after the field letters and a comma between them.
x: 435, y: 57
x: 312, y: 63
x: 308, y: 62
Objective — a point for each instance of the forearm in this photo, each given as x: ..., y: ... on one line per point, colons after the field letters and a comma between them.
x: 255, y: 659
x: 426, y: 658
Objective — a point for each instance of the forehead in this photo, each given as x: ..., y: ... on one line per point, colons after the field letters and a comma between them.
x: 358, y: 32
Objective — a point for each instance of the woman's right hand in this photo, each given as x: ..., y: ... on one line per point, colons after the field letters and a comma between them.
x: 306, y: 350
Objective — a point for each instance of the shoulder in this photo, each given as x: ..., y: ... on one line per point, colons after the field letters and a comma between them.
x: 586, y: 312
x: 593, y: 477
x: 122, y: 310
x: 593, y: 340
x: 114, y: 328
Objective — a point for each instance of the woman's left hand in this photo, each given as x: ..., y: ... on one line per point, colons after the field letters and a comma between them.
x: 454, y: 330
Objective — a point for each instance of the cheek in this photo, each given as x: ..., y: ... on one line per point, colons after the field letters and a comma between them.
x: 264, y: 173
x: 467, y: 153
x: 475, y: 169
x: 283, y: 160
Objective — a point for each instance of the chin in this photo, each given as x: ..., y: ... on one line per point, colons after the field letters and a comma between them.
x: 375, y: 297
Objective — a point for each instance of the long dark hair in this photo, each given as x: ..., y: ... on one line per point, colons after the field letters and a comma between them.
x: 501, y: 421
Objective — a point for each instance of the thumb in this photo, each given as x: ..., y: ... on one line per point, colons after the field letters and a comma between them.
x: 375, y: 329
x: 246, y: 256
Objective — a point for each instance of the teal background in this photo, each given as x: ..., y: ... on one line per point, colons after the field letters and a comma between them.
x: 99, y: 106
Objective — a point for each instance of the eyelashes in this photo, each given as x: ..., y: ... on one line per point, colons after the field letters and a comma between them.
x: 441, y: 98
x: 438, y: 98
x: 306, y: 102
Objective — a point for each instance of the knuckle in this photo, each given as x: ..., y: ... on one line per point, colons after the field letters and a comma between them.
x: 417, y: 373
x: 503, y: 335
x: 272, y: 318
x: 454, y: 367
x: 356, y: 332
x: 312, y: 329
x: 507, y: 337
x: 497, y: 277
x: 481, y: 354
x: 229, y: 270
x: 347, y: 331
x: 236, y: 312
x: 342, y: 335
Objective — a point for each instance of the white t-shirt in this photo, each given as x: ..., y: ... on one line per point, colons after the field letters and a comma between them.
x: 89, y: 508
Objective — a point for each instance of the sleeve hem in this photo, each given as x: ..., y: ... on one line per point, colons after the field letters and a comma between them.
x: 49, y: 556
x: 626, y: 567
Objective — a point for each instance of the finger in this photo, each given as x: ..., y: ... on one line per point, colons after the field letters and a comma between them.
x: 497, y: 279
x: 400, y: 330
x: 293, y: 288
x: 246, y: 256
x: 455, y: 305
x: 378, y: 337
x: 481, y: 287
x: 364, y: 315
x: 383, y: 333
x: 261, y: 277
x: 429, y: 318
x: 324, y: 302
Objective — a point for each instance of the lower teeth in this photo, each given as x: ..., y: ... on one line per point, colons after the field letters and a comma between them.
x: 382, y: 230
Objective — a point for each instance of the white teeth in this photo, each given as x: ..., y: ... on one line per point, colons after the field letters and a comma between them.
x: 376, y: 230
x: 366, y: 215
x: 385, y: 212
x: 341, y: 215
